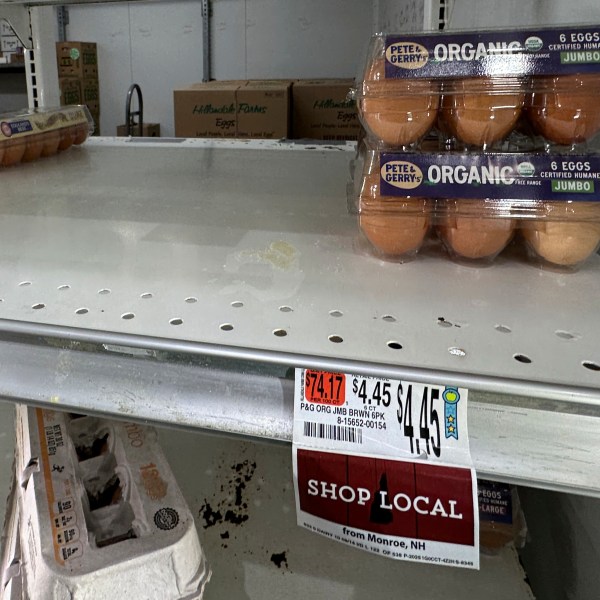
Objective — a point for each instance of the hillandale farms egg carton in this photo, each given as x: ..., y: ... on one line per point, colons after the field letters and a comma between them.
x: 476, y: 88
x: 100, y: 513
x: 476, y: 203
x: 29, y: 135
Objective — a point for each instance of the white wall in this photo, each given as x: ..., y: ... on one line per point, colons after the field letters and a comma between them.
x: 399, y: 15
x: 511, y: 13
x: 159, y: 46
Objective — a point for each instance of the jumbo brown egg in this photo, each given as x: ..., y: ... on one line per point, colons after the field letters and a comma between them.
x: 397, y: 111
x: 80, y: 133
x: 14, y: 149
x: 481, y: 110
x: 34, y: 144
x: 395, y: 226
x: 567, y: 234
x: 51, y: 143
x: 66, y: 138
x: 471, y: 230
x: 565, y: 109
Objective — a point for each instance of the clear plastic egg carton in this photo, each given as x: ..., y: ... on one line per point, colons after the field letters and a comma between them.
x: 476, y: 204
x: 99, y: 514
x: 525, y: 89
x: 29, y: 135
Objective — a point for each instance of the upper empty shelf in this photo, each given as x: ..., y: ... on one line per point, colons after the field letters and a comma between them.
x: 246, y: 250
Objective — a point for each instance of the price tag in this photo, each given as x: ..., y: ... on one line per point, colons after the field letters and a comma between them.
x: 384, y: 465
x: 401, y: 419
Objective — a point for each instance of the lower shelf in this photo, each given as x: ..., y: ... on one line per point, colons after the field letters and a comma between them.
x: 241, y: 495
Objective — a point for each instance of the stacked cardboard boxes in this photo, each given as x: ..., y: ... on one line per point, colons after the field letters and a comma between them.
x: 78, y: 76
x: 269, y: 109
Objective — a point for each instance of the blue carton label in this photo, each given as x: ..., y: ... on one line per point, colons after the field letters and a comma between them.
x: 10, y: 128
x: 553, y: 51
x: 495, y: 502
x: 491, y: 176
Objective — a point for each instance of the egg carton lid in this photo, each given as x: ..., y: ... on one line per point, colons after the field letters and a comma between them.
x: 101, y: 512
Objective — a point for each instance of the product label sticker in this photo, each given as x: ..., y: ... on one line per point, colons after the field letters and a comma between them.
x: 371, y: 415
x: 60, y: 487
x: 384, y: 465
x: 495, y: 502
x: 552, y: 51
x: 494, y: 176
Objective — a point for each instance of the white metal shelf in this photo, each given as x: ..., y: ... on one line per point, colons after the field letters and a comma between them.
x: 242, y: 497
x: 249, y: 252
x: 154, y: 280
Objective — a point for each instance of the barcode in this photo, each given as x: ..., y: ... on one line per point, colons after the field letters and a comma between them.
x: 333, y: 432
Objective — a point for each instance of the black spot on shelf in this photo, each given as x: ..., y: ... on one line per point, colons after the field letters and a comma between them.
x: 279, y: 560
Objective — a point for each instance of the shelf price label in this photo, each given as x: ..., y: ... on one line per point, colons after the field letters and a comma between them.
x: 393, y: 418
x: 384, y: 465
x: 325, y: 388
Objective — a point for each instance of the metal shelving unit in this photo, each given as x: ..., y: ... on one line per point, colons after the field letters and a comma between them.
x: 179, y: 282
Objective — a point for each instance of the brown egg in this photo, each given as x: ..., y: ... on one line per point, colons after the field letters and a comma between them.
x: 397, y: 111
x: 483, y: 110
x: 569, y: 241
x: 66, y: 138
x: 34, y: 144
x: 396, y: 227
x: 51, y: 142
x: 80, y: 133
x: 565, y: 110
x: 13, y: 151
x: 468, y: 233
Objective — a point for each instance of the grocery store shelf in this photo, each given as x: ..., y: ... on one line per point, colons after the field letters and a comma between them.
x: 178, y: 281
x: 246, y: 251
x: 242, y: 497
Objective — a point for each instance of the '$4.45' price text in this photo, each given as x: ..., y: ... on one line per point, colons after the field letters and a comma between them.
x: 417, y: 417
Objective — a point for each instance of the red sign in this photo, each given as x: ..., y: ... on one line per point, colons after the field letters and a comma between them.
x: 386, y: 496
x: 325, y: 388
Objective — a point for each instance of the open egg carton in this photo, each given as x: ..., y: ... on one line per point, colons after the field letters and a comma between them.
x: 29, y: 135
x: 96, y: 513
x: 530, y: 89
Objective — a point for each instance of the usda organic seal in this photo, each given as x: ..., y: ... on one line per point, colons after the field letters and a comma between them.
x: 526, y: 169
x: 533, y: 44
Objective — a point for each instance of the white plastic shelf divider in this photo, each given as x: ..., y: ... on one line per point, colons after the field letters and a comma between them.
x: 222, y: 264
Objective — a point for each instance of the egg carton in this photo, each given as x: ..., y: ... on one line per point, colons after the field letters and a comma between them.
x: 32, y: 134
x: 100, y: 514
x: 478, y: 88
x: 477, y: 203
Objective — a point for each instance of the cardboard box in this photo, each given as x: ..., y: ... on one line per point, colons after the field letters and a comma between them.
x: 322, y: 111
x: 77, y: 59
x: 242, y: 109
x: 70, y: 90
x: 148, y: 130
x: 90, y: 92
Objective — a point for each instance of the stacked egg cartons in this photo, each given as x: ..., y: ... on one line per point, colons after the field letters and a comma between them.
x: 482, y: 138
x: 29, y: 135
